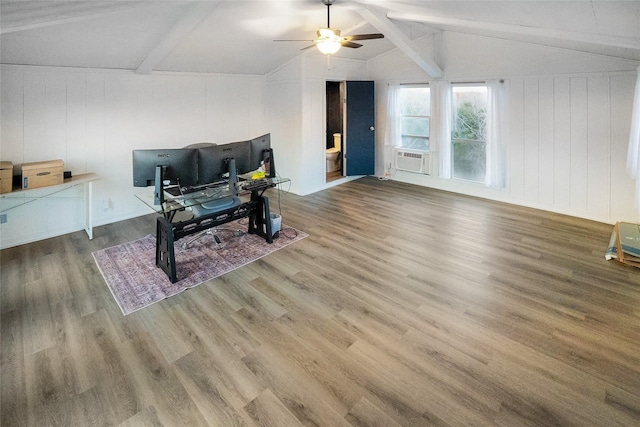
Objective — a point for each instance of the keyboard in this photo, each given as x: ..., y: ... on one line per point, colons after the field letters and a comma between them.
x: 177, y: 191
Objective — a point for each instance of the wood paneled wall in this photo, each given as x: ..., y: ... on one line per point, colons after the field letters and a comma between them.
x: 92, y: 119
x: 567, y: 144
x: 569, y: 121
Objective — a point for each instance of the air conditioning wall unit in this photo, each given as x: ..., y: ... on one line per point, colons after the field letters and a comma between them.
x: 413, y: 161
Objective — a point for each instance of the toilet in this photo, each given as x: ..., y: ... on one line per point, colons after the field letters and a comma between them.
x: 334, y: 157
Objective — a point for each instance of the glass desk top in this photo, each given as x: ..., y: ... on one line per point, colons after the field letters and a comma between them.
x: 206, y: 194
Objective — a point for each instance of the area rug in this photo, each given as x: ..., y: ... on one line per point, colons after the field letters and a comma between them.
x: 134, y: 280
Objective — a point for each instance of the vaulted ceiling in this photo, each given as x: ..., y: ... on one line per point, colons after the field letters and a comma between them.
x: 236, y: 36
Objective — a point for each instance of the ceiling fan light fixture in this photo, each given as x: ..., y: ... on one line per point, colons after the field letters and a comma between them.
x: 329, y: 41
x: 328, y: 47
x: 328, y: 33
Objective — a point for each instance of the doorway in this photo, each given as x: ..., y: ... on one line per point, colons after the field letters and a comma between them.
x: 334, y: 140
x: 350, y: 132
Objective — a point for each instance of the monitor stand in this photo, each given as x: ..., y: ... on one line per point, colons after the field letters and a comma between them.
x: 267, y: 153
x: 233, y: 176
x: 158, y: 193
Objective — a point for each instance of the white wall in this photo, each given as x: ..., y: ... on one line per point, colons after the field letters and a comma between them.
x: 296, y: 96
x: 284, y: 114
x: 567, y: 109
x: 568, y: 126
x: 92, y: 119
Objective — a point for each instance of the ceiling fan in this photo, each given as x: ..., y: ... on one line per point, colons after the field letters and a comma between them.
x: 329, y: 41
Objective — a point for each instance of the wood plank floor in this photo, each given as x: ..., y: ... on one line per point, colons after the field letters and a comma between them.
x: 404, y: 306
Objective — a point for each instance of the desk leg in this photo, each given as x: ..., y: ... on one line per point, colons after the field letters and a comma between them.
x: 267, y: 220
x: 260, y: 219
x: 165, y: 255
x: 88, y: 209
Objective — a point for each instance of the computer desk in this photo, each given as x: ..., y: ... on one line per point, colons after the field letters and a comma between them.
x: 168, y: 231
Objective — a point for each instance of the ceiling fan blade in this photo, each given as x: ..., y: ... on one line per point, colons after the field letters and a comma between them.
x: 347, y: 43
x: 364, y: 37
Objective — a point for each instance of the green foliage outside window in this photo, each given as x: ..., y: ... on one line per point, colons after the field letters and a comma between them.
x: 469, y: 133
x: 469, y: 160
x: 471, y: 121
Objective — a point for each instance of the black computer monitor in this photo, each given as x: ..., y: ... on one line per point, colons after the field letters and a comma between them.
x: 261, y: 153
x: 258, y: 147
x: 180, y: 166
x: 213, y: 161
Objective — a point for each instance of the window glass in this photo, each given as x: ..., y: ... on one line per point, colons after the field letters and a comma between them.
x: 469, y: 132
x: 415, y: 110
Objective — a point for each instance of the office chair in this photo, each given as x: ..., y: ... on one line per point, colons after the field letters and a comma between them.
x: 218, y: 205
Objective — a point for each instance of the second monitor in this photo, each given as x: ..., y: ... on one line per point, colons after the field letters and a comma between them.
x: 248, y: 155
x: 262, y: 155
x: 213, y: 161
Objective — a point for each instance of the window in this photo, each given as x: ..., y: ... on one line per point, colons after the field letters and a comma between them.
x: 415, y: 116
x: 469, y: 132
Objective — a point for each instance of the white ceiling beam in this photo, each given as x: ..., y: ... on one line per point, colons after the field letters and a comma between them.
x: 354, y: 28
x: 195, y: 14
x: 397, y: 37
x: 69, y: 16
x: 546, y: 33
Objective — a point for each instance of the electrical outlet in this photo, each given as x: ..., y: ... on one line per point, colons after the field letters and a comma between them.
x: 3, y: 218
x: 106, y: 204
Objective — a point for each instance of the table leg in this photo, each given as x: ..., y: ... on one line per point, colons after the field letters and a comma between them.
x: 260, y: 218
x: 88, y: 208
x: 165, y: 254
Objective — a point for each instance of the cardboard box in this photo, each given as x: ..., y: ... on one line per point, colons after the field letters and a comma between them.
x: 6, y: 177
x: 42, y: 174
